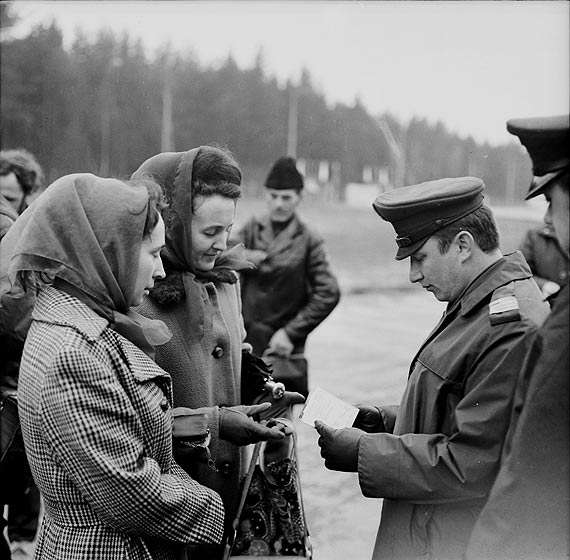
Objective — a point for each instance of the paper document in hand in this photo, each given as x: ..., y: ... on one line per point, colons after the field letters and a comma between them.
x: 331, y: 410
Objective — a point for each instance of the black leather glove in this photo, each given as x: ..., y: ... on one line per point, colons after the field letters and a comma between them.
x: 339, y: 447
x: 280, y: 406
x: 369, y: 419
x: 238, y: 427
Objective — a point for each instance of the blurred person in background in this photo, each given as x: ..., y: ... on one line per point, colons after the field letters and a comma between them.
x: 292, y: 289
x: 199, y: 300
x: 434, y: 458
x: 95, y: 409
x: 547, y: 259
x: 21, y: 179
x: 527, y: 515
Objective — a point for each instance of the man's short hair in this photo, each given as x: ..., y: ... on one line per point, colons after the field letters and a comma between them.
x: 26, y: 168
x: 480, y: 224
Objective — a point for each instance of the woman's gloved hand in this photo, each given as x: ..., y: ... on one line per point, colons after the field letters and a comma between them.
x: 369, y: 419
x: 238, y: 427
x: 280, y: 407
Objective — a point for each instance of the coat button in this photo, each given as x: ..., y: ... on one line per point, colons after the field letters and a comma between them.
x: 225, y: 468
x: 164, y: 404
x: 218, y: 352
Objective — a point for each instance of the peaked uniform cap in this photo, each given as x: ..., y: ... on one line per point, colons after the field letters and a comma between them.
x: 416, y: 212
x: 547, y: 142
x: 284, y: 175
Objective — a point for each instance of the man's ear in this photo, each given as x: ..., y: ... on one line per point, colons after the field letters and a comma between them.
x: 465, y: 244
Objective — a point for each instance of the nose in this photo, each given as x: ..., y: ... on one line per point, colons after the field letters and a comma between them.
x: 415, y: 273
x: 159, y: 270
x: 548, y: 215
x: 221, y: 242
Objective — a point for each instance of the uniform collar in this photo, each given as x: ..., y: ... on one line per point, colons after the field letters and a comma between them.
x: 56, y: 307
x: 293, y: 225
x: 507, y: 269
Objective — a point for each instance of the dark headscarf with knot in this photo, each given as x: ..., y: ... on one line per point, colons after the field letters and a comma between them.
x: 174, y: 171
x: 84, y: 234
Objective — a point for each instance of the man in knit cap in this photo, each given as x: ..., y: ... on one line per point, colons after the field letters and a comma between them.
x: 434, y: 458
x: 292, y: 289
x: 527, y: 516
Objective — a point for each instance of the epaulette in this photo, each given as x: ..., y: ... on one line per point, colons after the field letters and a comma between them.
x: 504, y: 306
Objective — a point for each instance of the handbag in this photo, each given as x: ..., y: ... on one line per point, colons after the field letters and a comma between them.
x: 290, y: 370
x: 270, y: 521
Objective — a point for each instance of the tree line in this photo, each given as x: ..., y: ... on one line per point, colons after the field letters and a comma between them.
x: 103, y: 106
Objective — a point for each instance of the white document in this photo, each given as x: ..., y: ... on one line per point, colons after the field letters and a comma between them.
x: 331, y: 410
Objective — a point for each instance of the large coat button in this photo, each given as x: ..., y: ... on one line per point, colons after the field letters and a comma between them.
x: 218, y: 352
x: 164, y: 404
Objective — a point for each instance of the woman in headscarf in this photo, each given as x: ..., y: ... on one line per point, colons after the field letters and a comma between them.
x: 199, y: 300
x: 95, y: 410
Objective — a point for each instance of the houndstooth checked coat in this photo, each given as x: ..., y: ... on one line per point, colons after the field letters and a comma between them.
x: 96, y: 421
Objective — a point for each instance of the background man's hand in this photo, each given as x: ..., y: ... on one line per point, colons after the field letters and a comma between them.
x: 280, y: 344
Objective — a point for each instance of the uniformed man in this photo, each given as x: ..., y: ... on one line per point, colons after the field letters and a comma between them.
x: 434, y: 458
x: 547, y: 259
x: 527, y: 515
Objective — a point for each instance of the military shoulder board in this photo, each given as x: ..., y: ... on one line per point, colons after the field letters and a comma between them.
x: 504, y: 306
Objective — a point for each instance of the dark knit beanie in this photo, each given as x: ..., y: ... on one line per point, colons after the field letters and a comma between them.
x: 284, y: 175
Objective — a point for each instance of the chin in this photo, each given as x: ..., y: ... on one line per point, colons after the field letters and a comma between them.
x: 280, y: 218
x: 205, y: 267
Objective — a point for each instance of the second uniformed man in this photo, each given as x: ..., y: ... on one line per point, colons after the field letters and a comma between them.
x: 434, y: 458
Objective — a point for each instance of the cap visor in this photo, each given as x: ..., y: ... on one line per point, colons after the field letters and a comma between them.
x: 538, y: 184
x: 405, y: 252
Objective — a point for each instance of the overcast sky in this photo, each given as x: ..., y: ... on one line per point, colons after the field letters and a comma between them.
x: 470, y: 64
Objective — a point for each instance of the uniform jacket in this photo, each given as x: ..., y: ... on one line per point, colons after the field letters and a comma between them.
x: 293, y: 288
x: 436, y: 468
x: 527, y: 515
x: 546, y: 258
x: 205, y: 372
x: 97, y: 425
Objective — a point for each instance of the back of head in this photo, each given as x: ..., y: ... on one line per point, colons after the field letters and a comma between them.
x: 26, y: 168
x: 284, y: 175
x: 547, y: 141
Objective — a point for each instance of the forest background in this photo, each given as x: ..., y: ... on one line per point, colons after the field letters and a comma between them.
x: 103, y: 106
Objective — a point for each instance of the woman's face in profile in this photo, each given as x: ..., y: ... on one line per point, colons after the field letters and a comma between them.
x: 150, y: 264
x: 212, y: 222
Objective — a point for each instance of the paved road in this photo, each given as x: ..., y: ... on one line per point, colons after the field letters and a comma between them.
x: 361, y: 353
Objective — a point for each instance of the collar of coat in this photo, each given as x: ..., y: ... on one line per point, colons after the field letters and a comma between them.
x: 59, y: 308
x: 507, y: 269
x: 56, y: 307
x: 279, y: 242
